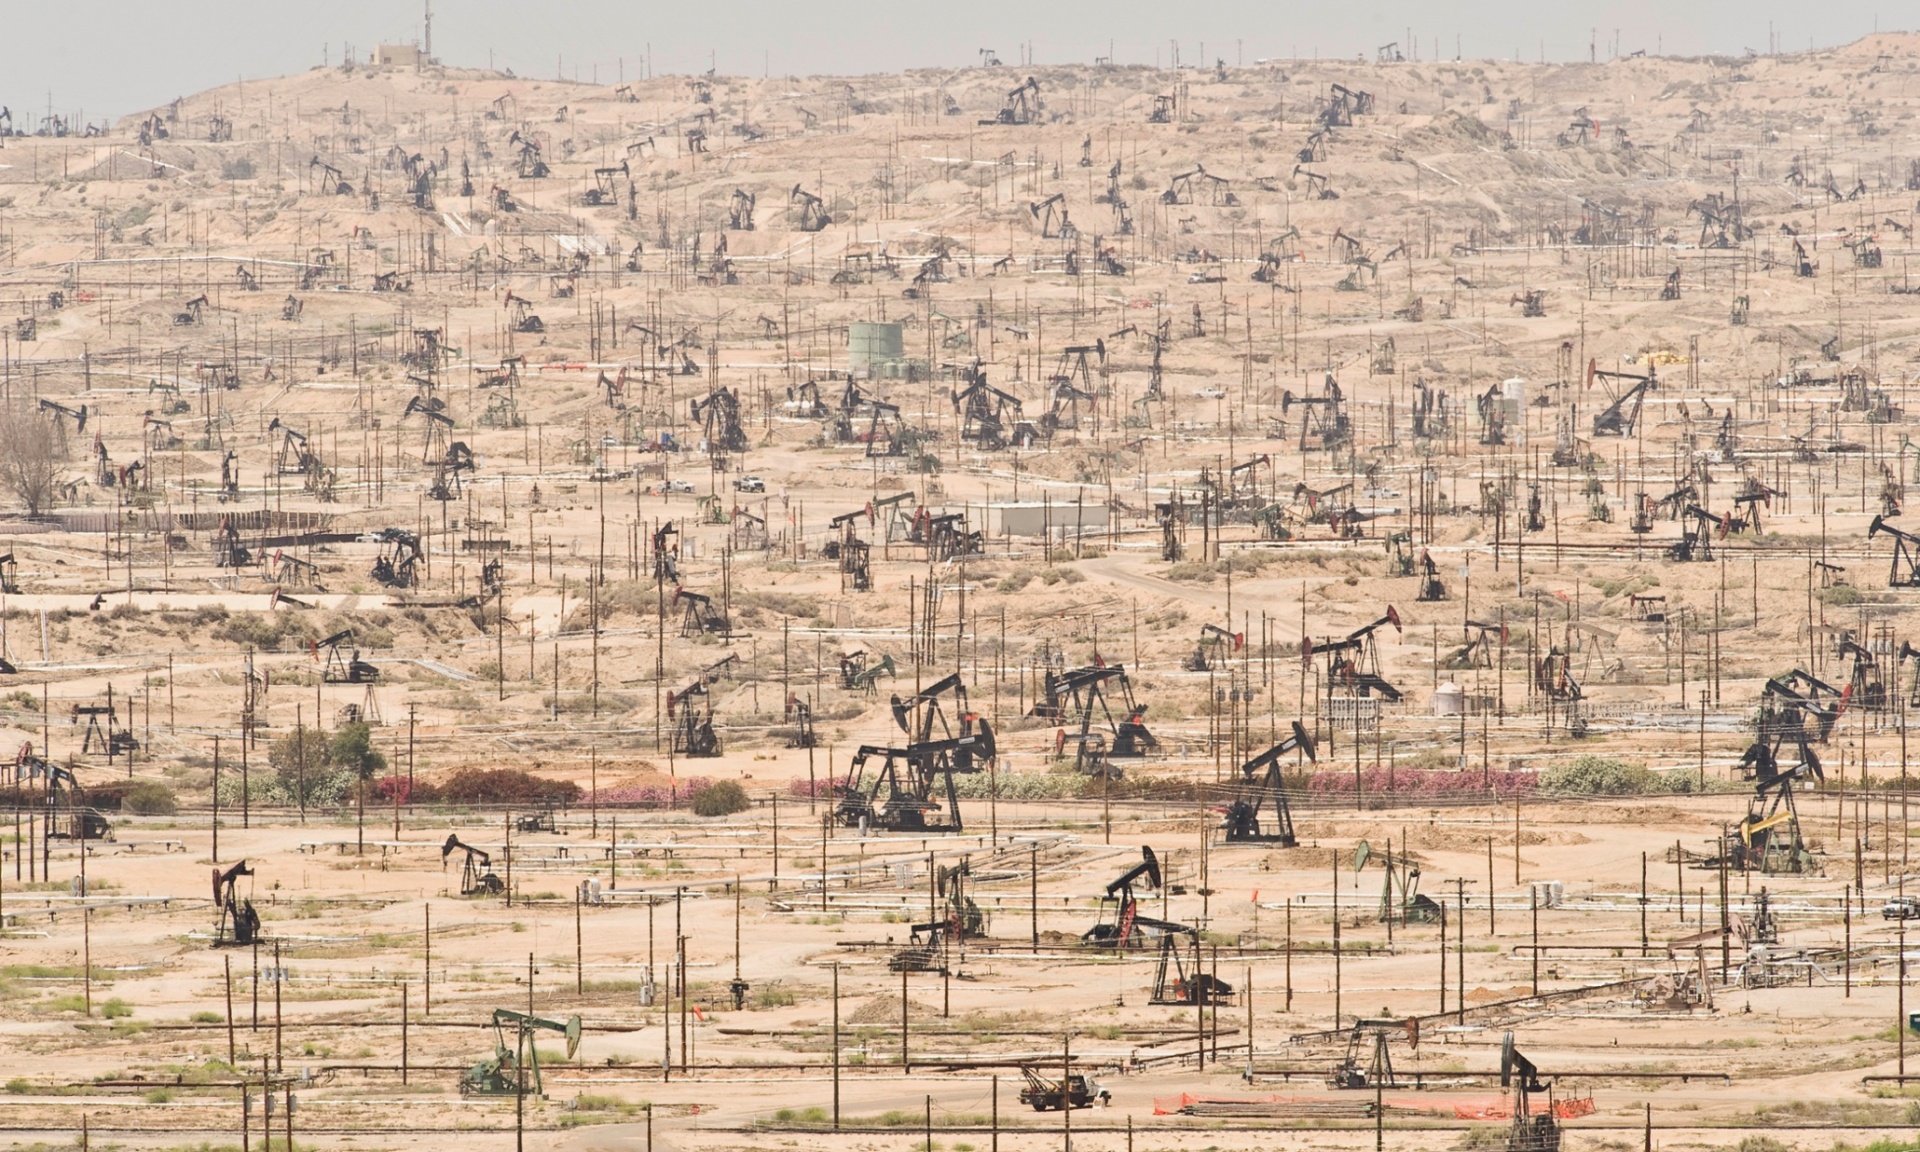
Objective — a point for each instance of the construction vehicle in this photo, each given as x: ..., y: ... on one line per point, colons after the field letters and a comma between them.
x: 1263, y: 788
x: 1620, y: 416
x: 814, y: 216
x: 1532, y: 1131
x: 1903, y: 569
x: 1206, y: 654
x: 506, y: 1072
x: 395, y: 567
x: 1122, y: 931
x: 1075, y: 696
x: 1022, y: 105
x: 239, y: 924
x: 476, y: 870
x: 1048, y: 1094
x: 337, y: 669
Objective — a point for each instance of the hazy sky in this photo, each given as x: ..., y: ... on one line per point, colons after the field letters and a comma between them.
x: 111, y: 57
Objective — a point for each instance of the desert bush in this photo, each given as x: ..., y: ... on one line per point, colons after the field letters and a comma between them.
x: 150, y: 798
x: 720, y: 798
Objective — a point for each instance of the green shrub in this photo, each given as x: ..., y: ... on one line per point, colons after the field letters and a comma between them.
x: 150, y: 798
x: 1602, y: 776
x: 720, y: 798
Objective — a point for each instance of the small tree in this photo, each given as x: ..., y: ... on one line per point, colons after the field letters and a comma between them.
x: 352, y: 750
x: 32, y: 449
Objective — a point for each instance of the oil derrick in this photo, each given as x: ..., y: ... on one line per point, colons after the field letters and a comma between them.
x: 718, y: 415
x: 1082, y: 695
x: 1324, y: 425
x: 476, y: 869
x: 1259, y: 812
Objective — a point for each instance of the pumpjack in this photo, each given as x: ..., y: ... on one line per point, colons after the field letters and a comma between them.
x: 239, y: 924
x: 1353, y: 662
x: 1173, y: 983
x: 1074, y: 696
x: 343, y: 670
x: 1123, y: 930
x: 740, y: 212
x: 1619, y: 417
x: 990, y: 419
x: 505, y: 1073
x: 395, y: 567
x: 694, y: 733
x: 1022, y: 105
x: 524, y: 319
x: 961, y: 919
x: 68, y: 816
x: 1263, y: 788
x: 476, y: 871
x: 1378, y: 1072
x: 1432, y: 589
x: 700, y: 616
x: 1207, y: 652
x: 814, y: 216
x: 1903, y: 571
x: 911, y: 789
x: 1400, y: 886
x: 9, y: 575
x: 1325, y: 425
x: 856, y: 675
x: 1532, y: 1131
x: 1697, y: 542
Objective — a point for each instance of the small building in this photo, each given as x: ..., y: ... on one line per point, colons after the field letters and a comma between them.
x: 398, y: 56
x: 1054, y: 518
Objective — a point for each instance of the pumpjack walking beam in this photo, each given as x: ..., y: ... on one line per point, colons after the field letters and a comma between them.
x: 476, y: 871
x: 1904, y: 569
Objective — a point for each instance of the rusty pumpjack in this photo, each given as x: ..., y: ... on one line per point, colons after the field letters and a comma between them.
x: 239, y: 924
x: 1074, y: 696
x: 1263, y: 788
x: 476, y: 871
